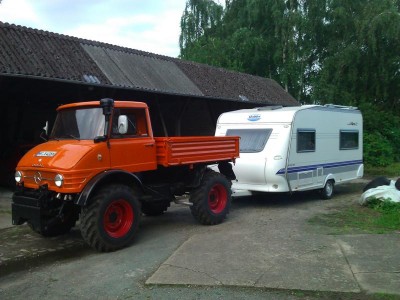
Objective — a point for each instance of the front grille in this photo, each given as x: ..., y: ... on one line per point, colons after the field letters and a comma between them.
x: 73, y: 181
x: 34, y: 177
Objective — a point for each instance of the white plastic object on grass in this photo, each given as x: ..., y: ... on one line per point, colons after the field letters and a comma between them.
x: 383, y: 192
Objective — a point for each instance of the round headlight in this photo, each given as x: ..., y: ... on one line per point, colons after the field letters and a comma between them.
x: 18, y: 176
x: 59, y: 180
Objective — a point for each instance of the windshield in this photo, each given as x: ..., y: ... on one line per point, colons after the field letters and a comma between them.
x: 80, y: 124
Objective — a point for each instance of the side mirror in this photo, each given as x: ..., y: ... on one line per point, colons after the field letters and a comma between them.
x: 46, y: 128
x: 122, y: 124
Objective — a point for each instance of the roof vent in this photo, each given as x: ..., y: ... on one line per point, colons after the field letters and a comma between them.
x: 272, y: 107
x: 340, y: 106
x: 90, y: 79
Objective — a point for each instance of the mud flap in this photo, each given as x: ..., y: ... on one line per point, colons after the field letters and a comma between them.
x: 226, y: 168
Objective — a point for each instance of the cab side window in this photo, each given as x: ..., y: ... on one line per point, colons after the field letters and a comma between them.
x: 136, y: 122
x: 131, y: 123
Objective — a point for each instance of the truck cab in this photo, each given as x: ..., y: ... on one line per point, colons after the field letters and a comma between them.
x: 82, y: 144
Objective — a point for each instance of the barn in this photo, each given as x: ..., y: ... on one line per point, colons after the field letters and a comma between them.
x: 40, y: 70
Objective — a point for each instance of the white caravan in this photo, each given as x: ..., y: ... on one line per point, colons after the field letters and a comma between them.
x: 295, y: 148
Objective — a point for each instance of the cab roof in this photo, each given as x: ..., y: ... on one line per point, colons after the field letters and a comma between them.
x: 117, y: 104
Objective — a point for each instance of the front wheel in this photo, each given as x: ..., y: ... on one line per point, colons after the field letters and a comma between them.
x: 212, y: 199
x: 111, y: 221
x: 327, y: 190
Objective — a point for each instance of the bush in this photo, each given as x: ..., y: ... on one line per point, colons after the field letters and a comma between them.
x: 381, y: 135
x: 378, y: 151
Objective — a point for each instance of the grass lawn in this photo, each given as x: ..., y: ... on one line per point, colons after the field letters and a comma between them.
x: 376, y: 217
x: 392, y: 171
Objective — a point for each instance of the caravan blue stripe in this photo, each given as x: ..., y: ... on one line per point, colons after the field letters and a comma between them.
x: 325, y: 166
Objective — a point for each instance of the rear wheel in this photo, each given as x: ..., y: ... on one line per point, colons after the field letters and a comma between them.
x: 327, y: 191
x: 111, y: 221
x: 212, y: 200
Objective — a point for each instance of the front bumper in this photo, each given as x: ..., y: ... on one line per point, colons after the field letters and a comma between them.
x: 31, y: 206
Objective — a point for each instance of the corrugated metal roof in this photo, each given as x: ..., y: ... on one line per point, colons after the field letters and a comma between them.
x: 222, y: 83
x: 30, y: 52
x: 38, y: 53
x: 139, y: 71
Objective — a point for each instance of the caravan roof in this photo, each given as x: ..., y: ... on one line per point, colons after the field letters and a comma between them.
x: 262, y: 114
x: 276, y: 114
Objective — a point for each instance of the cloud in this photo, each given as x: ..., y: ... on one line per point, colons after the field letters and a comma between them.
x: 151, y: 25
x: 157, y: 33
x: 19, y: 12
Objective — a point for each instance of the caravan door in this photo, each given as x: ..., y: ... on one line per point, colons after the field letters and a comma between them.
x: 250, y: 167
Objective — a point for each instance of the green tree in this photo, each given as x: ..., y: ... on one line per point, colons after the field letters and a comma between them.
x: 199, y: 17
x: 362, y: 59
x: 321, y: 51
x: 265, y: 38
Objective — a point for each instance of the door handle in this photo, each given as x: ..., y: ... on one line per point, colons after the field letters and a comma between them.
x: 149, y: 145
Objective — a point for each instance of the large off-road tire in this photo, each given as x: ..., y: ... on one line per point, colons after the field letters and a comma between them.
x: 60, y: 227
x: 112, y: 219
x: 327, y: 191
x: 212, y: 199
x: 155, y: 208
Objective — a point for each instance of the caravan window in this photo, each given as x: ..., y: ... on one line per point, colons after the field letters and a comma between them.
x: 251, y: 140
x: 348, y: 139
x: 305, y: 140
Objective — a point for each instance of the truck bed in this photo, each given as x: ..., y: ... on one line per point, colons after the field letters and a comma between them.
x: 172, y: 151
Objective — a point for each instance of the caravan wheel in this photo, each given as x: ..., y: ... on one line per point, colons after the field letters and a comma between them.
x: 327, y: 191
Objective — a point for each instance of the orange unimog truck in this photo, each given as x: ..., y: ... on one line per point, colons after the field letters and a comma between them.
x: 102, y: 165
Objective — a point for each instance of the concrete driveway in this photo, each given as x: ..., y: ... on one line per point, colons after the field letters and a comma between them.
x: 265, y: 244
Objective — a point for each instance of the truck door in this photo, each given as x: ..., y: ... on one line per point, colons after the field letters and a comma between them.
x: 135, y: 150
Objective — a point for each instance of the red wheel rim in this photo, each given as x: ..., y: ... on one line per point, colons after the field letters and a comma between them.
x: 217, y: 198
x: 118, y: 218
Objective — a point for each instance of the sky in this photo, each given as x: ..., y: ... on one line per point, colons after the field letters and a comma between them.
x: 148, y: 25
